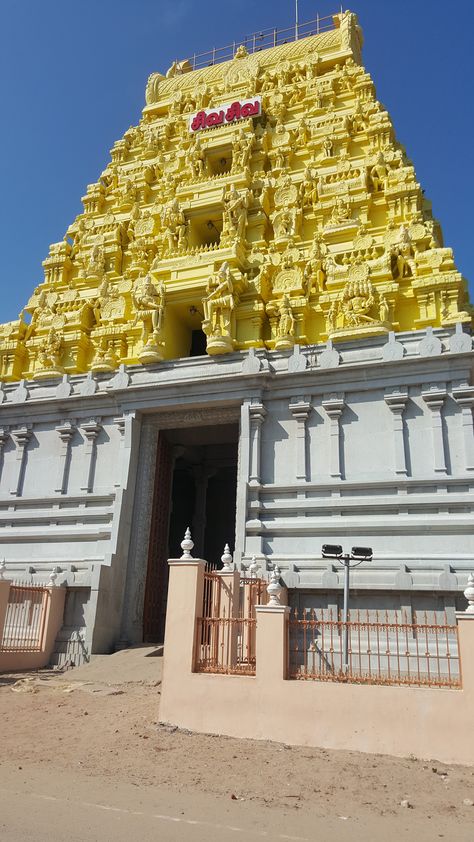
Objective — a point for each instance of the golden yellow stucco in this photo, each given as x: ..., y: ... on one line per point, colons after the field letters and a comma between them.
x: 302, y: 225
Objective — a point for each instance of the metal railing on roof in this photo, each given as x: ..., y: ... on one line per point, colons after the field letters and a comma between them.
x: 263, y: 40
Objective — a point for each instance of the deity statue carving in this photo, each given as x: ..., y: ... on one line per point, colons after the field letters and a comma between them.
x: 286, y: 223
x: 218, y: 305
x: 96, y: 263
x: 328, y: 147
x: 127, y: 194
x: 384, y: 310
x: 357, y: 301
x: 234, y: 218
x: 308, y: 192
x: 242, y: 151
x: 50, y: 355
x: 174, y: 229
x: 378, y: 173
x: 341, y: 211
x: 303, y: 134
x: 149, y: 303
x: 108, y: 305
x: 358, y: 310
x: 196, y: 158
x: 104, y: 358
x: 281, y: 313
x: 315, y: 272
x: 403, y: 255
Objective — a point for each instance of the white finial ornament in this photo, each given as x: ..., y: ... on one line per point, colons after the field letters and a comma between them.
x: 52, y: 577
x: 186, y: 545
x: 274, y: 589
x: 227, y: 560
x: 469, y: 594
x: 3, y: 567
x: 253, y: 567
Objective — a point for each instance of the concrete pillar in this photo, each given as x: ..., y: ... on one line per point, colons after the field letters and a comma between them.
x: 257, y: 414
x: 243, y: 467
x: 66, y: 432
x: 300, y: 409
x: 396, y: 402
x: 54, y: 620
x: 185, y: 595
x: 465, y: 623
x: 4, y: 436
x: 21, y: 437
x: 91, y: 430
x: 272, y: 644
x: 465, y: 398
x: 4, y: 594
x: 334, y: 406
x: 434, y: 399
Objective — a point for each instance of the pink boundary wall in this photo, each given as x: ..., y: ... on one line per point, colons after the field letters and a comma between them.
x: 18, y: 661
x: 402, y: 721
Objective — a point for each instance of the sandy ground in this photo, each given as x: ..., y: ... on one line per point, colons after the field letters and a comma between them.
x: 110, y: 733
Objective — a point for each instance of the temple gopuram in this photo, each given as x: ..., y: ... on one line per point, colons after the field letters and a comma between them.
x: 254, y: 329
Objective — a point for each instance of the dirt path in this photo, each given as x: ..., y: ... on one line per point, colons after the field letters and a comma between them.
x: 111, y: 737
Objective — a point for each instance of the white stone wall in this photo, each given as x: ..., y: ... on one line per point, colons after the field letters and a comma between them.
x: 371, y: 444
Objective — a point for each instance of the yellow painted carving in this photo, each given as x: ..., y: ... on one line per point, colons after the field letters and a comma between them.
x: 303, y: 224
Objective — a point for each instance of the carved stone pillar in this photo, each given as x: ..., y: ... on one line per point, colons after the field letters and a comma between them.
x: 396, y: 402
x: 464, y: 395
x: 257, y: 414
x: 91, y: 430
x: 4, y: 436
x: 300, y: 409
x: 334, y: 407
x: 65, y: 431
x: 434, y: 397
x: 21, y: 437
x: 120, y: 423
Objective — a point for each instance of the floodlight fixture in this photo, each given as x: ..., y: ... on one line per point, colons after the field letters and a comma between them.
x: 362, y: 553
x: 332, y: 551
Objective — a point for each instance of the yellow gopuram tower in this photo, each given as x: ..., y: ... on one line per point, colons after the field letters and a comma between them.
x: 261, y: 201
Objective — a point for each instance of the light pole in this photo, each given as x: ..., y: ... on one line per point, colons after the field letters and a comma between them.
x: 358, y: 555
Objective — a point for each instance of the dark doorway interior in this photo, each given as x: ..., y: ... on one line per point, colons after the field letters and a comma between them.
x: 195, y: 486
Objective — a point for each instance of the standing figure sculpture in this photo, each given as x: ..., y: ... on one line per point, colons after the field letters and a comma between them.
x: 149, y: 303
x: 234, y: 217
x: 218, y: 307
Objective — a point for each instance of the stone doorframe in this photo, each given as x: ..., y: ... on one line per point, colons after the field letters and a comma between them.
x: 132, y: 609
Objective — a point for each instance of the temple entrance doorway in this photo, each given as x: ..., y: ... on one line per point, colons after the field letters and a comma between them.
x: 195, y: 486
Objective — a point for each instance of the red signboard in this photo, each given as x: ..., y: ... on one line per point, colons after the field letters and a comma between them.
x: 231, y: 112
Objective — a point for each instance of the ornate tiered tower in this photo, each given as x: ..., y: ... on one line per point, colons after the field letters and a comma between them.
x: 265, y: 201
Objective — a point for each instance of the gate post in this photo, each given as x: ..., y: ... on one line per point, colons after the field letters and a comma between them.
x: 4, y: 594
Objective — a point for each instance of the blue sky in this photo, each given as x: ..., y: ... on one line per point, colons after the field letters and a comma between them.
x: 72, y: 80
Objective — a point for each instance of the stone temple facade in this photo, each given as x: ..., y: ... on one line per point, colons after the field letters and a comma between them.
x: 253, y: 329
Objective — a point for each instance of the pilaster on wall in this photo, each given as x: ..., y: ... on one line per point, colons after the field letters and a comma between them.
x: 257, y: 413
x: 434, y: 397
x: 396, y: 402
x: 133, y: 600
x: 91, y: 430
x: 300, y: 408
x: 66, y: 431
x: 4, y: 436
x: 21, y: 437
x: 124, y: 424
x: 464, y: 396
x: 243, y: 467
x: 334, y: 407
